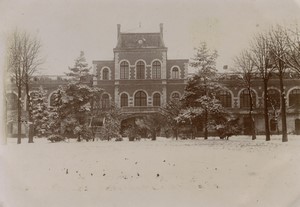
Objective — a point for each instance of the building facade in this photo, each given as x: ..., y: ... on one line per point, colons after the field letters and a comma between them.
x: 140, y: 79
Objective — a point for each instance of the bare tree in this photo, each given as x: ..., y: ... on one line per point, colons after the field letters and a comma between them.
x: 30, y: 55
x: 292, y: 37
x: 14, y: 68
x: 279, y: 54
x: 246, y: 69
x: 23, y: 60
x: 260, y: 55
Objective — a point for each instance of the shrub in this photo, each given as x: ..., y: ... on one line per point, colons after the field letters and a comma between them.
x: 228, y: 129
x: 56, y: 138
x: 132, y: 133
x: 119, y: 139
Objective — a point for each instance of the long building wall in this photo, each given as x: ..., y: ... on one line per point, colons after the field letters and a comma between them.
x: 141, y: 70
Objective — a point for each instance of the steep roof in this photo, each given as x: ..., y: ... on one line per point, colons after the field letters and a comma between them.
x: 140, y: 40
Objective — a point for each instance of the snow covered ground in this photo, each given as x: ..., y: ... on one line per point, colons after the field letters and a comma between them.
x: 166, y: 172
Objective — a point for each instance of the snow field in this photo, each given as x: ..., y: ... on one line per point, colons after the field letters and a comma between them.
x: 166, y: 172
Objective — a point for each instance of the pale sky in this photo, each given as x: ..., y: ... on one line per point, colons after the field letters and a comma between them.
x: 65, y: 27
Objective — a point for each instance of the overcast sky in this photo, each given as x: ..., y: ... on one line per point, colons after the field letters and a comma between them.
x: 65, y: 27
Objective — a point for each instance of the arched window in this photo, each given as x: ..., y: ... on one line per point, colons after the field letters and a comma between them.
x: 175, y: 96
x: 140, y: 70
x: 124, y: 70
x: 12, y: 101
x: 294, y: 98
x: 105, y: 74
x: 245, y: 99
x: 140, y: 99
x: 105, y: 101
x: 225, y: 98
x: 124, y: 100
x: 175, y: 73
x: 156, y: 70
x: 156, y: 99
x: 274, y: 99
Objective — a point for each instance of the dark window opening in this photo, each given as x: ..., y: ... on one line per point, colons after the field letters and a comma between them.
x: 156, y: 99
x: 294, y: 98
x: 105, y: 74
x: 175, y: 73
x: 140, y: 99
x: 124, y: 70
x: 140, y: 70
x: 156, y: 70
x: 124, y: 100
x: 225, y: 98
x: 245, y: 99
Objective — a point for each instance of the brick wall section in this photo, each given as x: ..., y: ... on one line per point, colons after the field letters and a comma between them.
x: 147, y: 55
x: 100, y: 64
x: 182, y: 67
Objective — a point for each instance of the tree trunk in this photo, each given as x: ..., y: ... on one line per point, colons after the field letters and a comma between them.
x: 153, y: 136
x: 266, y: 111
x: 30, y: 120
x: 79, y: 138
x: 205, y: 124
x: 206, y: 113
x: 4, y: 134
x: 19, y: 112
x: 253, y: 131
x: 283, y: 108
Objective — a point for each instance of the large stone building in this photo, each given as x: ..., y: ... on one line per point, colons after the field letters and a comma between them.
x: 140, y: 79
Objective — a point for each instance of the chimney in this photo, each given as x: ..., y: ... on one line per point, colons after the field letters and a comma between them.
x: 118, y: 30
x: 161, y: 26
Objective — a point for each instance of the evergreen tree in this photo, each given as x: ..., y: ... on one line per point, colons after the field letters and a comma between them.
x: 199, y: 99
x: 73, y: 103
x: 111, y: 124
x: 171, y: 112
x: 80, y: 70
x: 40, y: 112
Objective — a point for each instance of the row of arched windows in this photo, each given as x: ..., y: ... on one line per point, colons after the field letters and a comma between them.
x: 140, y: 99
x: 140, y: 72
x: 225, y: 97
